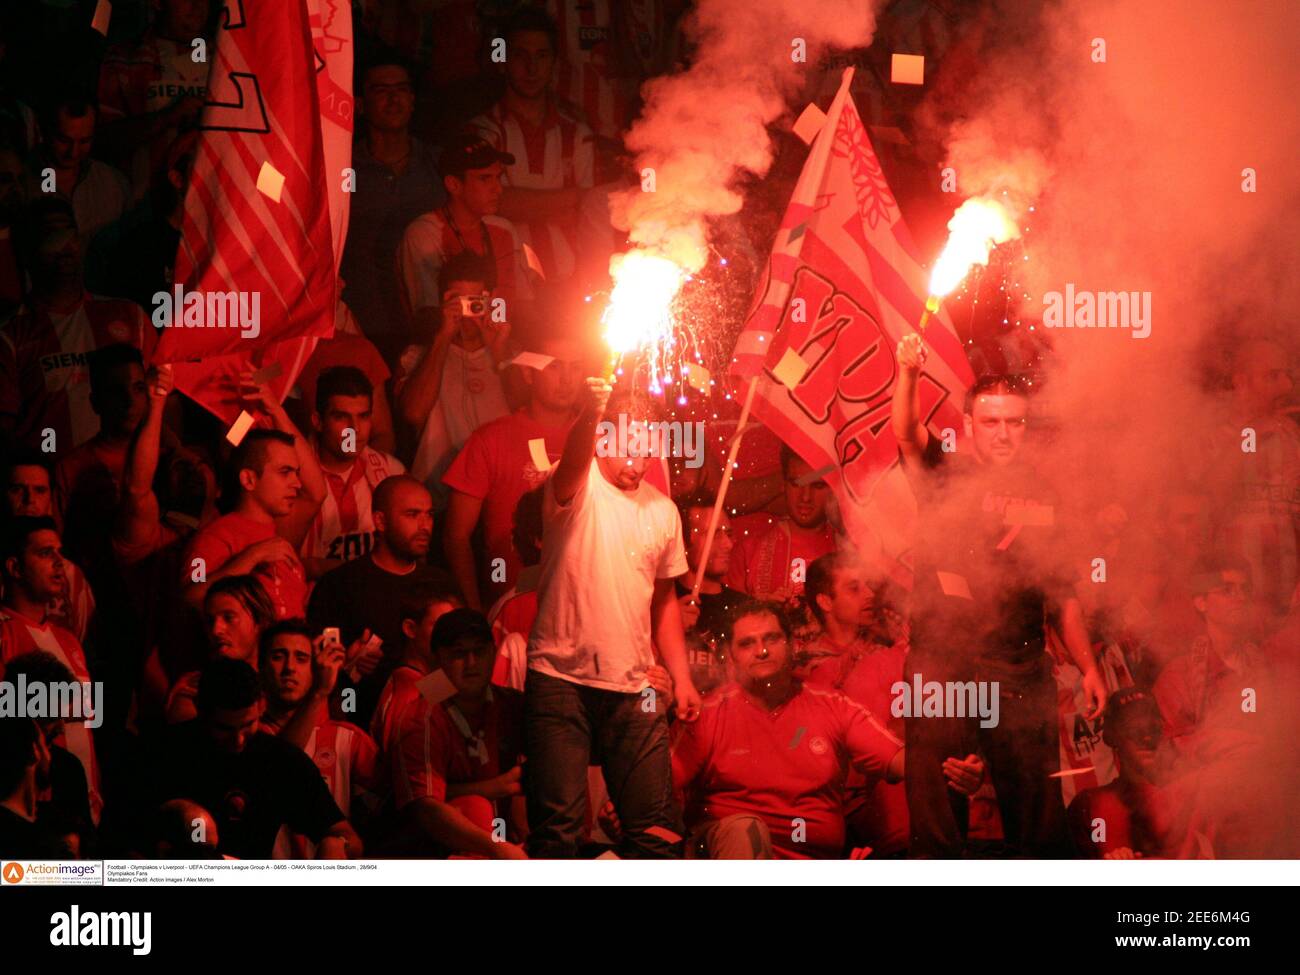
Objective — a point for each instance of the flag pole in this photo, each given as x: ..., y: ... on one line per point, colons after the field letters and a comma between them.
x: 716, y: 515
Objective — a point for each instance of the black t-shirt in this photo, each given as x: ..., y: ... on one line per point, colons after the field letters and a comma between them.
x: 359, y: 595
x: 993, y: 532
x: 251, y: 794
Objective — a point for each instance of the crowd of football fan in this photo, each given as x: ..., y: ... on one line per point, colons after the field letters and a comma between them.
x: 416, y: 613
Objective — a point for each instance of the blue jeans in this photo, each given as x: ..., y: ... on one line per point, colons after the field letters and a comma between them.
x: 568, y: 727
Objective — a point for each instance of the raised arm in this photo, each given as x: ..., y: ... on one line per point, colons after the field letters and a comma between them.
x: 905, y: 415
x: 580, y: 445
x: 138, y: 511
x: 420, y: 392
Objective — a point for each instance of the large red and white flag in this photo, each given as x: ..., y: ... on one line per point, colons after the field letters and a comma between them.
x: 843, y: 285
x: 266, y: 207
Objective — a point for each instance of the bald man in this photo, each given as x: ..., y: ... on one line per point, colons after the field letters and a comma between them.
x: 368, y: 593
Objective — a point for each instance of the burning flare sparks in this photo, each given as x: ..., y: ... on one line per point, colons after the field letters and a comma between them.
x: 639, y: 316
x: 975, y: 229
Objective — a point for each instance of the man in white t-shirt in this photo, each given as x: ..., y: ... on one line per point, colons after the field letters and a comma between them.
x: 611, y: 548
x: 450, y: 388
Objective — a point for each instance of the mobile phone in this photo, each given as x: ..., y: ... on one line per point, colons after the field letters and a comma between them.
x: 330, y: 636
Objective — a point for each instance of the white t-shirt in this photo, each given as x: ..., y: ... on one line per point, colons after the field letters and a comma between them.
x: 601, y: 555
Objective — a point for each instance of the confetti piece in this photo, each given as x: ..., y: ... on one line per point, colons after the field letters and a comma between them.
x: 528, y: 578
x: 103, y: 12
x: 809, y: 123
x: 537, y: 451
x: 790, y: 370
x: 954, y: 585
x: 239, y: 429
x: 534, y: 262
x: 907, y: 69
x: 435, y: 687
x: 814, y: 476
x: 1037, y: 515
x: 532, y: 360
x: 698, y: 377
x: 1008, y: 538
x: 270, y: 181
x: 1066, y: 773
x: 268, y: 372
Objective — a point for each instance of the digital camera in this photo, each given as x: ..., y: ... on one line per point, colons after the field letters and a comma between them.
x: 473, y: 306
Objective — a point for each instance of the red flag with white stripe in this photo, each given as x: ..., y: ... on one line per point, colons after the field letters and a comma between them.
x: 265, y: 210
x: 843, y: 285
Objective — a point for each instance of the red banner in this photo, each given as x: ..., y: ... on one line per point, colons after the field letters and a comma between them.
x: 843, y: 286
x: 256, y: 272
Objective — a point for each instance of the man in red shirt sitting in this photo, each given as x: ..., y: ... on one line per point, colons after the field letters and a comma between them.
x: 763, y: 770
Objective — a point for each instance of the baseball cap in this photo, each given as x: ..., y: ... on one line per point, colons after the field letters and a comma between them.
x: 460, y: 627
x: 1124, y: 713
x: 470, y: 151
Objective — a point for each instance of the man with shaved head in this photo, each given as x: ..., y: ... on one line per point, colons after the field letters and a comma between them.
x: 367, y: 593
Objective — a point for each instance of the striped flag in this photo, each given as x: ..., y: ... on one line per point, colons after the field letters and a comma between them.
x: 843, y: 285
x: 266, y: 208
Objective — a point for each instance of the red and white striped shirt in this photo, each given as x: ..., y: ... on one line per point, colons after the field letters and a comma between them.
x: 76, y: 606
x: 587, y: 75
x: 148, y: 77
x: 438, y: 746
x: 348, y: 761
x: 558, y: 154
x: 343, y: 527
x: 20, y: 635
x: 44, y: 365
